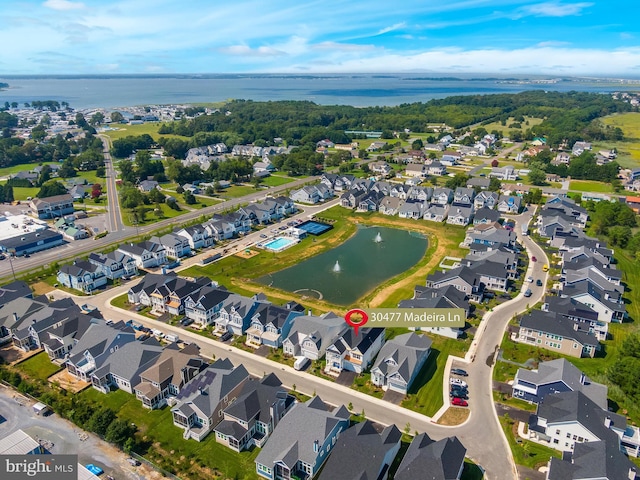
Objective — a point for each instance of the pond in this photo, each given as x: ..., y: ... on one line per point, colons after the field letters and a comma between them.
x: 344, y: 274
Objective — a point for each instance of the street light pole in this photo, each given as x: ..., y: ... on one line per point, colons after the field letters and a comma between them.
x: 12, y: 252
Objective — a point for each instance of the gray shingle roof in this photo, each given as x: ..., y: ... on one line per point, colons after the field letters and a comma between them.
x: 601, y: 460
x: 427, y: 459
x: 406, y: 350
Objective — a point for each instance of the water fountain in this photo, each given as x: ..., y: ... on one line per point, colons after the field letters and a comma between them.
x: 336, y: 267
x: 378, y: 238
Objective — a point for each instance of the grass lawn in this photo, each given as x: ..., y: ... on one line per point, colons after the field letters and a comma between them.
x: 121, y: 301
x: 169, y: 450
x: 506, y: 129
x: 236, y: 191
x: 276, y: 180
x: 206, y: 201
x: 628, y: 150
x: 22, y: 193
x: 425, y: 395
x: 39, y: 366
x: 151, y: 217
x: 590, y: 186
x: 526, y: 453
x: 150, y: 128
x: 22, y: 167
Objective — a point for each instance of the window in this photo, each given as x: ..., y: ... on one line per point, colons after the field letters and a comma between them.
x: 568, y: 436
x: 555, y: 441
x: 557, y: 432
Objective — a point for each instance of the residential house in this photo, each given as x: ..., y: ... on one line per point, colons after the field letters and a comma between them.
x: 147, y: 186
x: 166, y: 378
x: 307, y: 194
x: 556, y: 376
x: 509, y: 204
x: 400, y: 361
x: 555, y: 332
x: 422, y: 194
x: 579, y: 147
x: 251, y: 419
x: 235, y: 314
x: 610, y: 307
x: 446, y: 297
x: 123, y: 370
x: 354, y: 352
x: 380, y: 168
x: 411, y: 209
x: 462, y: 278
x: 52, y: 207
x: 480, y: 182
x: 171, y: 295
x: 370, y: 202
x: 363, y: 453
x: 202, y: 402
x: 450, y: 158
x: 96, y: 347
x: 13, y: 290
x: 399, y: 191
x: 197, y: 236
x: 140, y: 293
x: 459, y: 215
x: 82, y: 275
x: 114, y: 264
x: 270, y: 325
x: 485, y: 199
x: 504, y: 173
x: 584, y: 316
x: 175, y: 246
x: 567, y: 206
x: 494, y: 276
x: 147, y: 254
x: 310, y: 336
x: 601, y: 459
x: 491, y: 235
x: 485, y: 216
x: 463, y: 196
x: 505, y: 257
x: 562, y: 158
x: 443, y: 459
x: 352, y: 198
x: 302, y: 441
x: 219, y: 229
x: 437, y: 169
x: 60, y: 338
x: 204, y: 306
x: 390, y: 205
x: 416, y: 170
x: 442, y: 196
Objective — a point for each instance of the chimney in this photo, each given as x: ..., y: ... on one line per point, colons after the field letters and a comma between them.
x: 316, y: 446
x: 15, y: 317
x: 607, y: 422
x: 575, y: 326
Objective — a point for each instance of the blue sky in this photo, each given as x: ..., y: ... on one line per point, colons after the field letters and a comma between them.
x: 330, y: 36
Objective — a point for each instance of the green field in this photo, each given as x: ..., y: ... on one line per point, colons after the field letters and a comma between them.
x: 22, y: 193
x: 504, y: 130
x: 170, y: 450
x: 150, y: 128
x: 236, y: 191
x: 22, y: 167
x: 628, y: 150
x: 128, y: 218
x: 276, y: 180
x: 590, y: 186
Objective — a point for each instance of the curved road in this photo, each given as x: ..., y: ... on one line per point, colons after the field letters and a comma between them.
x: 481, y: 434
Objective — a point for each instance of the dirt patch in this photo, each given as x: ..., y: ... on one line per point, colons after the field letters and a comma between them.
x: 454, y: 416
x: 68, y: 381
x: 248, y: 253
x: 41, y: 288
x: 13, y: 355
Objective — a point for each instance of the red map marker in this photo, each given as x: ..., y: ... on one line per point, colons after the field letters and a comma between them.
x: 359, y: 321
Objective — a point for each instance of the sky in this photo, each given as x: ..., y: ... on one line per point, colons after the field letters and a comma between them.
x: 591, y: 38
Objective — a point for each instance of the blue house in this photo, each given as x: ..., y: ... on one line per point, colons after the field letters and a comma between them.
x: 302, y: 441
x: 270, y: 325
x: 82, y: 275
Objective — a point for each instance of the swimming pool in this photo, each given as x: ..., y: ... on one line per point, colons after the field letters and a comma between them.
x: 279, y: 244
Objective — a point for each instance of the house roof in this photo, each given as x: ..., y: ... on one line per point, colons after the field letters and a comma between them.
x: 576, y: 407
x: 446, y: 297
x: 578, y: 289
x: 171, y: 362
x: 98, y: 339
x: 360, y: 452
x: 555, y: 324
x: 570, y: 307
x: 209, y: 297
x: 256, y: 399
x: 601, y: 460
x: 487, y: 214
x: 294, y: 436
x: 14, y: 290
x: 402, y: 354
x: 442, y: 459
x: 561, y: 370
x: 130, y: 360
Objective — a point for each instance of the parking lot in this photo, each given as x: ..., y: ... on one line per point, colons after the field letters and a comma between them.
x: 66, y: 438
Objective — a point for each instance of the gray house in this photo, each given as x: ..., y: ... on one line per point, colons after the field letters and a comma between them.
x: 443, y: 459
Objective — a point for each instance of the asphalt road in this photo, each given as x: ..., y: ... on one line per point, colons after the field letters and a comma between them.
x: 481, y: 434
x: 114, y: 215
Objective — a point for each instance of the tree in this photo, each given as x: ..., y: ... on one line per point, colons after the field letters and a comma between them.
x: 45, y: 175
x: 119, y: 431
x: 189, y: 198
x: 8, y: 194
x: 459, y: 180
x: 130, y: 197
x: 494, y: 163
x: 50, y: 189
x: 127, y: 173
x: 494, y: 184
x: 101, y: 172
x: 256, y: 181
x: 67, y: 170
x: 417, y: 144
x: 100, y: 421
x: 116, y: 117
x: 217, y: 187
x: 156, y: 196
x: 537, y: 176
x: 96, y: 191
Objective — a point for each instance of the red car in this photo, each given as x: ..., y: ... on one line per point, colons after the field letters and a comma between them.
x: 459, y: 402
x: 534, y: 259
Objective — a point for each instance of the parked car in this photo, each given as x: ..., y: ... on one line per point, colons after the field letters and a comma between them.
x: 262, y: 235
x: 530, y: 279
x: 133, y: 461
x: 226, y: 336
x: 186, y: 321
x: 534, y: 259
x: 459, y: 402
x: 528, y: 292
x: 458, y: 394
x: 457, y: 381
x: 539, y: 282
x: 459, y: 371
x: 94, y: 469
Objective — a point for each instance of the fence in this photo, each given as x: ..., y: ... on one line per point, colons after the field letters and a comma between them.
x: 154, y: 466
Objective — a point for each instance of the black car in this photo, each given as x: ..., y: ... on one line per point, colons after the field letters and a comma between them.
x: 458, y: 394
x: 186, y: 321
x: 459, y: 371
x: 226, y: 336
x: 539, y: 282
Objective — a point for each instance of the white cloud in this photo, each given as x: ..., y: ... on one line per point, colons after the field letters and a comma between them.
x: 391, y: 28
x: 246, y: 51
x: 63, y: 5
x: 345, y: 47
x: 555, y: 9
x: 552, y: 43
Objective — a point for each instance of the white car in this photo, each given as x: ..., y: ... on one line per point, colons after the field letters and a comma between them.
x: 457, y: 381
x: 530, y: 279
